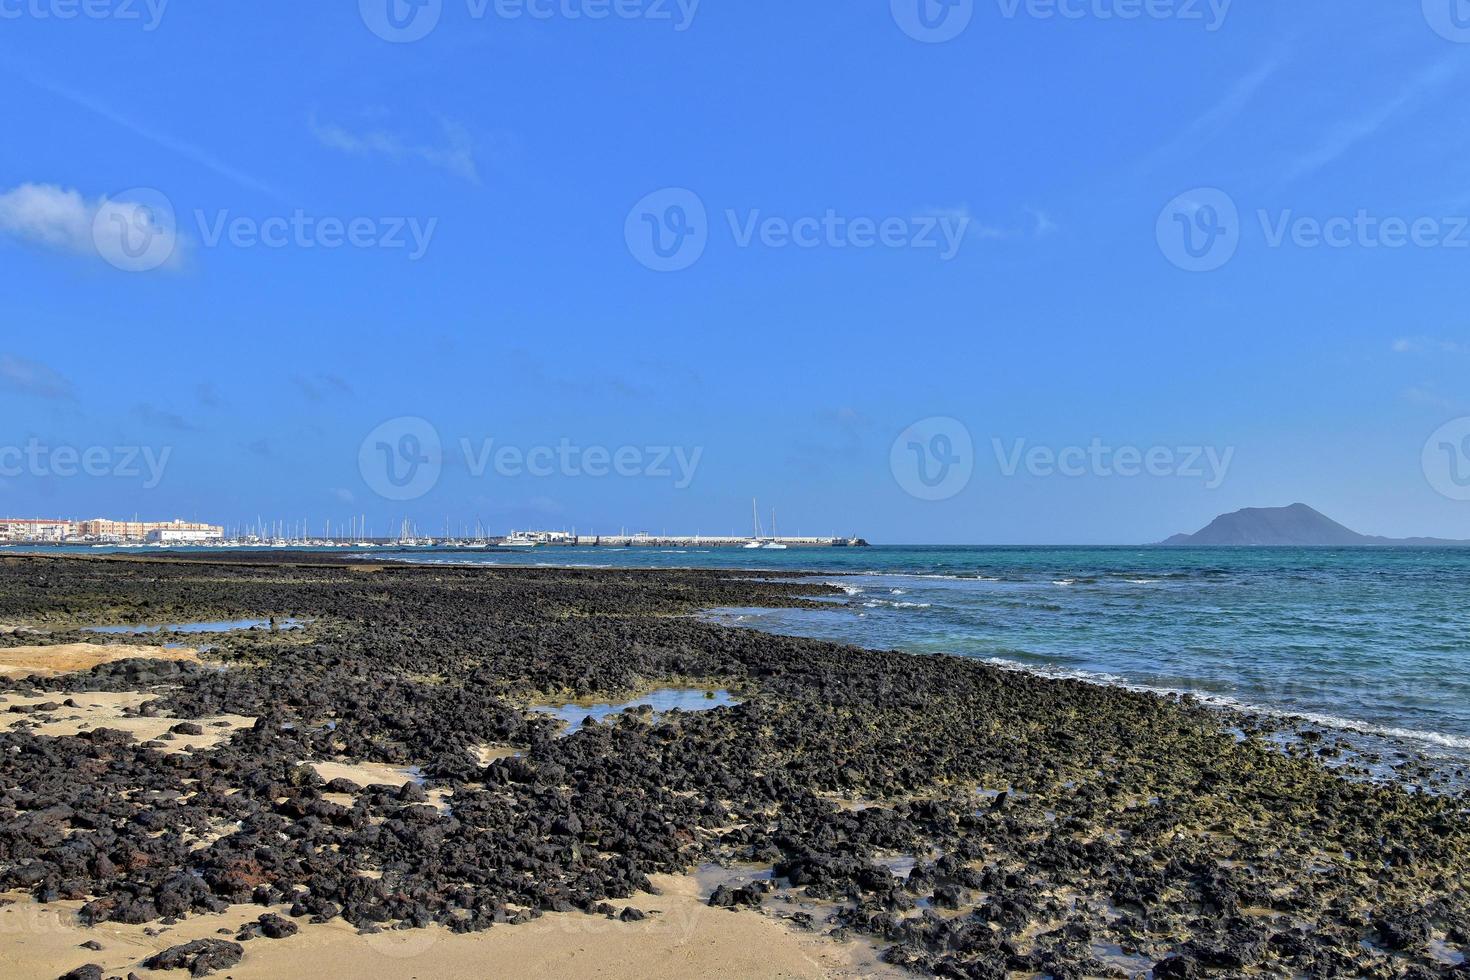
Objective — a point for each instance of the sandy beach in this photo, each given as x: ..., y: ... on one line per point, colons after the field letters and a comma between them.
x: 681, y: 937
x: 382, y: 792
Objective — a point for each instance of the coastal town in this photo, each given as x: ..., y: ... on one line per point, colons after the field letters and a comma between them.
x: 104, y: 531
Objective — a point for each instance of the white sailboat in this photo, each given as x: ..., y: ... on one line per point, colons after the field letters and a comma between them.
x: 773, y: 544
x: 755, y: 517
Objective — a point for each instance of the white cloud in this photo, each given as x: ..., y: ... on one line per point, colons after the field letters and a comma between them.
x: 47, y: 215
x: 456, y: 154
x: 61, y: 219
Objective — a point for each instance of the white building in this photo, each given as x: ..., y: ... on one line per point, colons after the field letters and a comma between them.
x: 21, y: 530
x: 181, y: 535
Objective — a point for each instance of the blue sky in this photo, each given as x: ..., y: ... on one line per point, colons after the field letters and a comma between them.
x: 1066, y: 149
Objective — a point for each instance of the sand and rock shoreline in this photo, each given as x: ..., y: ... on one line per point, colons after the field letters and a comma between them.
x: 854, y: 812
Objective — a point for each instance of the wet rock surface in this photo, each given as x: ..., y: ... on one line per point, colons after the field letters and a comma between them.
x: 1008, y: 823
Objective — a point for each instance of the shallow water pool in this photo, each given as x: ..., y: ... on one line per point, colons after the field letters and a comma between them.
x: 575, y: 714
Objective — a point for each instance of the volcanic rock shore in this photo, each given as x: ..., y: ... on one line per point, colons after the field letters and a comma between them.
x: 972, y: 822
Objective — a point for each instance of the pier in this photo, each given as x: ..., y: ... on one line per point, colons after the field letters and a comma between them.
x: 644, y: 540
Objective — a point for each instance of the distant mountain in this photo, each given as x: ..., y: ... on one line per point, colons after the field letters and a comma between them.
x: 1296, y: 526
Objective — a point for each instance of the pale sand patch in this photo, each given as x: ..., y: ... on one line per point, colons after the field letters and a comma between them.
x: 363, y: 773
x: 377, y: 774
x: 687, y: 939
x: 65, y: 658
x: 105, y: 709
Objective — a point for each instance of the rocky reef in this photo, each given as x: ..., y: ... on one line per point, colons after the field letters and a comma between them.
x: 971, y: 821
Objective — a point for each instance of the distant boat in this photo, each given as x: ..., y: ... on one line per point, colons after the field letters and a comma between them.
x: 755, y: 520
x: 516, y: 540
x: 773, y: 544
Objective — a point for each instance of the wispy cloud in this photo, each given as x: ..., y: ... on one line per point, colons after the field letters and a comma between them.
x: 1217, y: 117
x: 163, y: 419
x: 319, y: 386
x: 1429, y: 395
x: 1348, y: 133
x: 454, y: 154
x: 1429, y: 345
x: 183, y: 148
x: 208, y: 395
x: 29, y: 377
x: 1039, y: 226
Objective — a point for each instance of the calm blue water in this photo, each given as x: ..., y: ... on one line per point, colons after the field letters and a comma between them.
x: 1370, y: 639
